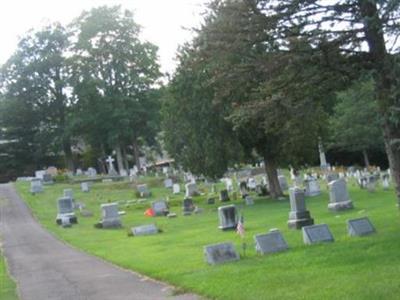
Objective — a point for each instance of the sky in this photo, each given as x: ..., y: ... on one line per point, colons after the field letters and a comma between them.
x: 165, y: 22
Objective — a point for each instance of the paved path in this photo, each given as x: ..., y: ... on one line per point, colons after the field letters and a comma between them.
x: 46, y: 268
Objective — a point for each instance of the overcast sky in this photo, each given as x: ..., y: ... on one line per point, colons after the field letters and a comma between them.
x: 163, y: 21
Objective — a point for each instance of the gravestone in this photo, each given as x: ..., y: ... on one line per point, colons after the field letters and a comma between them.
x: 36, y: 186
x: 228, y: 218
x: 211, y: 200
x: 123, y: 173
x: 191, y: 189
x: 85, y: 187
x: 39, y: 174
x: 110, y: 216
x: 176, y: 188
x: 168, y: 183
x: 91, y: 172
x: 143, y: 190
x: 312, y: 187
x: 188, y: 205
x: 283, y: 182
x: 224, y: 196
x: 47, y: 179
x: 338, y: 196
x: 360, y: 227
x: 144, y: 230
x: 371, y: 183
x: 270, y: 242
x: 65, y: 222
x: 160, y: 208
x: 317, y: 234
x: 251, y: 183
x: 220, y: 253
x: 332, y: 177
x: 229, y: 184
x: 65, y: 207
x: 299, y: 216
x: 385, y: 182
x: 243, y: 189
x: 79, y: 172
x: 111, y: 169
x: 249, y: 201
x: 52, y: 171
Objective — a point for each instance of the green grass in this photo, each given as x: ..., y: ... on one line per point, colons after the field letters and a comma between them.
x: 7, y: 285
x: 349, y: 268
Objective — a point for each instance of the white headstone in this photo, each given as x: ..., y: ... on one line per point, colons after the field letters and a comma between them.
x: 176, y: 189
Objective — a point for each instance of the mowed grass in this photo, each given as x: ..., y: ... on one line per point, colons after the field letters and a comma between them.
x: 350, y: 268
x: 7, y: 285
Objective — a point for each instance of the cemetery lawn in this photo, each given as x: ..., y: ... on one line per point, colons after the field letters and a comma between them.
x: 350, y: 268
x: 7, y: 285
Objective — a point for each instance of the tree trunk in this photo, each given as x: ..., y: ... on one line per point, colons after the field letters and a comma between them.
x: 136, y: 154
x: 120, y: 162
x: 273, y: 182
x: 101, y: 163
x: 385, y: 81
x: 366, y: 160
x: 393, y: 153
x: 69, y: 161
x: 125, y: 159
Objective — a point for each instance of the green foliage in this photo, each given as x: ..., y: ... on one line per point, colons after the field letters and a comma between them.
x: 114, y: 74
x: 346, y: 269
x: 355, y: 123
x: 34, y: 106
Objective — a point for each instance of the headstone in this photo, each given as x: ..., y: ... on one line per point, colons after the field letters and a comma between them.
x: 220, y: 253
x: 47, y: 179
x: 211, y: 200
x: 322, y: 157
x: 111, y: 170
x: 65, y: 207
x: 110, y: 216
x: 224, y: 196
x: 171, y: 215
x: 371, y: 183
x: 188, y: 205
x: 191, y: 189
x: 143, y: 190
x: 338, y: 196
x: 36, y: 186
x: 283, y: 182
x: 385, y: 182
x: 270, y: 242
x: 332, y: 177
x: 145, y: 230
x: 228, y: 218
x: 299, y: 216
x: 229, y: 184
x: 360, y: 227
x: 91, y: 172
x: 317, y: 234
x: 249, y: 201
x: 52, y: 171
x: 65, y: 222
x: 123, y: 173
x: 79, y: 172
x: 312, y: 187
x: 176, y: 189
x: 39, y: 174
x: 160, y: 208
x: 85, y: 187
x: 251, y: 183
x: 168, y: 183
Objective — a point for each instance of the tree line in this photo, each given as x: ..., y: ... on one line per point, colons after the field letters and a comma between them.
x: 261, y: 79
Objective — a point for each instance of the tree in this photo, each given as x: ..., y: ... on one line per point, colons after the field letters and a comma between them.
x: 355, y: 123
x: 257, y: 85
x: 114, y: 79
x: 34, y: 83
x: 366, y: 31
x: 195, y: 131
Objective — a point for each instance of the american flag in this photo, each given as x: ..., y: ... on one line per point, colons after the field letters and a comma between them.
x: 240, y: 227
